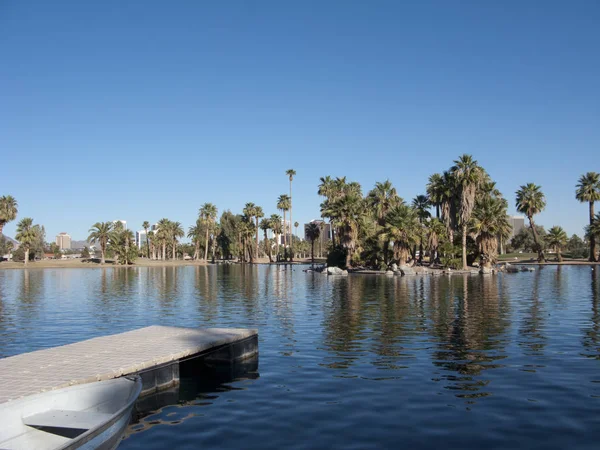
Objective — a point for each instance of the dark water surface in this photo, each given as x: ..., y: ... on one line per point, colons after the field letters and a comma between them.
x: 507, y: 361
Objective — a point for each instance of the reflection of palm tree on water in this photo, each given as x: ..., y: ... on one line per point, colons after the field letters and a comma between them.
x: 468, y: 331
x: 591, y: 339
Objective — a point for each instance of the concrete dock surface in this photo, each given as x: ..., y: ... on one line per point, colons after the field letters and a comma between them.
x: 107, y: 357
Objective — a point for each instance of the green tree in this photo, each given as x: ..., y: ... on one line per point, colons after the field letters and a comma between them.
x: 195, y: 233
x: 8, y: 210
x: 557, y: 239
x: 275, y: 220
x: 175, y: 232
x: 55, y: 249
x: 283, y: 203
x: 531, y: 201
x: 594, y: 228
x: 163, y: 236
x: 290, y: 173
x: 100, y: 234
x: 85, y: 253
x: 468, y: 176
x: 435, y: 192
x: 265, y: 225
x: 27, y: 235
x: 146, y: 227
x: 208, y: 213
x: 489, y: 223
x: 312, y: 233
x: 588, y: 190
x: 402, y: 227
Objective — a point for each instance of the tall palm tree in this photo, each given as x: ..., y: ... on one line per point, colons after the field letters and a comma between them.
x: 100, y: 233
x: 346, y: 211
x: 468, y: 175
x: 588, y: 190
x: 258, y: 214
x: 146, y: 227
x: 275, y: 222
x: 435, y: 233
x: 291, y: 173
x: 175, y: 231
x: 195, y: 234
x: 594, y: 228
x: 557, y: 239
x: 26, y: 235
x: 421, y: 204
x: 250, y: 211
x: 435, y: 192
x: 208, y: 214
x: 162, y: 235
x: 382, y: 198
x: 448, y: 201
x: 8, y: 210
x: 265, y: 225
x: 402, y: 227
x: 312, y: 233
x: 283, y: 203
x: 531, y: 201
x: 489, y: 223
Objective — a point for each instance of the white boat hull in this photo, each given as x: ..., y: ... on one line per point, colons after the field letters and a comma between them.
x: 88, y: 416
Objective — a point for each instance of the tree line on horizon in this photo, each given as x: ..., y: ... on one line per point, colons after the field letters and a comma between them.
x: 459, y: 219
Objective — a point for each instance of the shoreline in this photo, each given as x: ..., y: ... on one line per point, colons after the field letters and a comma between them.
x: 140, y: 262
x: 143, y: 262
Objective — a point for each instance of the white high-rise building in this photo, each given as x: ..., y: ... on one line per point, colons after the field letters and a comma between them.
x: 63, y: 240
x: 140, y: 238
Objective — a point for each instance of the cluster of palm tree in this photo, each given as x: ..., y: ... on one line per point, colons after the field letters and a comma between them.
x: 381, y: 228
x: 588, y: 190
x: 377, y: 229
x: 114, y: 238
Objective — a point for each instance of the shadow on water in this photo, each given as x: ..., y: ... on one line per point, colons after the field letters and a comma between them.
x: 201, y: 383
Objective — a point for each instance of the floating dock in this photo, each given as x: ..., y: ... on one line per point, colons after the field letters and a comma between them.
x: 153, y: 352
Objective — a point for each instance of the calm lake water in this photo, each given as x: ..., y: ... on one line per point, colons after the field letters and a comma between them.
x: 507, y: 361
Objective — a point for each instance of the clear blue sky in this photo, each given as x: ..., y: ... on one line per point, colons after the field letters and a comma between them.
x: 140, y: 110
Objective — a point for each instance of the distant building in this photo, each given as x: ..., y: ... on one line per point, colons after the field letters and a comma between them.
x: 325, y: 230
x: 141, y: 238
x: 517, y: 223
x: 63, y: 240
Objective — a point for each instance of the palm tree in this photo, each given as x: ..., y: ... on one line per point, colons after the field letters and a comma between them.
x: 146, y: 227
x: 265, y: 225
x: 291, y: 173
x: 435, y: 233
x: 531, y: 201
x: 250, y: 211
x: 195, y: 234
x: 8, y: 210
x: 100, y: 233
x: 258, y: 214
x: 402, y: 227
x: 283, y: 203
x: 162, y: 235
x: 208, y: 214
x: 594, y: 228
x: 275, y: 222
x: 489, y: 223
x: 175, y: 231
x: 382, y: 198
x: 447, y: 199
x: 557, y: 239
x: 421, y: 205
x: 27, y: 234
x: 588, y: 190
x: 435, y: 192
x: 468, y: 176
x: 312, y: 233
